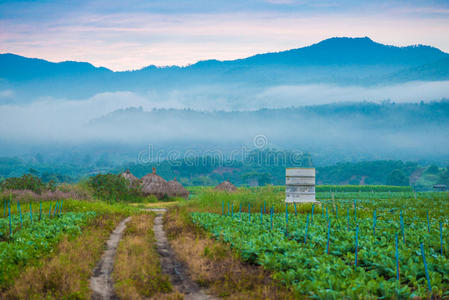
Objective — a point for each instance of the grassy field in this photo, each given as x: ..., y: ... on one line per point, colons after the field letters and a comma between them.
x: 137, y: 271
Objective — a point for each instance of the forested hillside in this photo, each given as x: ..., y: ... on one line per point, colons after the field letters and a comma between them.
x: 259, y: 167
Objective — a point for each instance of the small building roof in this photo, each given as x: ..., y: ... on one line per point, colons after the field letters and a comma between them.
x: 226, y: 186
x: 153, y: 184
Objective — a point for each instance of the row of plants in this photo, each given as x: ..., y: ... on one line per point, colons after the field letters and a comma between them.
x: 363, y: 188
x: 16, y: 218
x: 300, y: 256
x: 411, y: 204
x: 371, y: 243
x: 436, y: 203
x: 35, y: 239
x: 37, y: 218
x: 316, y: 276
x: 43, y: 225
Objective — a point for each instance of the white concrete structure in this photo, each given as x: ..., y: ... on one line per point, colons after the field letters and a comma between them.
x: 300, y: 185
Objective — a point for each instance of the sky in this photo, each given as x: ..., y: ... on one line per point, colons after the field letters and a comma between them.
x: 127, y: 35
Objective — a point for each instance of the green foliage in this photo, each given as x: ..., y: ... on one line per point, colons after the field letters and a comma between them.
x: 34, y: 240
x: 362, y: 188
x: 444, y: 177
x: 368, y: 172
x: 397, y: 177
x: 260, y: 167
x: 114, y: 187
x: 209, y: 199
x: 261, y: 178
x: 265, y: 166
x: 27, y: 182
x: 308, y: 269
x: 433, y: 169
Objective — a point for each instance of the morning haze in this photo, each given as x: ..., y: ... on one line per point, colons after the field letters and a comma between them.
x: 225, y: 149
x: 349, y: 86
x: 358, y: 94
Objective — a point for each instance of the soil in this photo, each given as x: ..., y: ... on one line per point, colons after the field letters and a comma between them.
x: 101, y: 283
x: 171, y: 266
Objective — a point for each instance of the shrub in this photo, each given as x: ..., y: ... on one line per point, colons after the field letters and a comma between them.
x: 397, y: 177
x: 433, y: 169
x: 114, y: 187
x: 27, y: 182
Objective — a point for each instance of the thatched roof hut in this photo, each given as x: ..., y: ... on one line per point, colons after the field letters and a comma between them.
x: 133, y: 180
x: 226, y: 186
x: 153, y: 184
x: 177, y: 190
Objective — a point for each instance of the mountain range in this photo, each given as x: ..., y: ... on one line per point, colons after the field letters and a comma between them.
x: 341, y: 99
x: 336, y: 61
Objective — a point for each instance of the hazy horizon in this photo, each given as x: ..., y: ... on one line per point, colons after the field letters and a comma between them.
x: 184, y: 32
x: 258, y: 61
x: 249, y: 55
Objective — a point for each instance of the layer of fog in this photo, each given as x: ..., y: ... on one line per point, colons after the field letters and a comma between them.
x: 72, y: 122
x: 321, y: 94
x: 243, y: 97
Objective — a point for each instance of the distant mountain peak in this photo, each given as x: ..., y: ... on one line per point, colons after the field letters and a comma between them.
x: 346, y: 43
x: 337, y: 60
x: 350, y: 51
x: 366, y: 42
x: 344, y: 39
x: 19, y: 68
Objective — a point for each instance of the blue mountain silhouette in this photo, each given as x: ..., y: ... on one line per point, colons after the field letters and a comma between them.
x: 342, y: 61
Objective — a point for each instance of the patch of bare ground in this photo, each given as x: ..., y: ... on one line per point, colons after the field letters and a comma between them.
x: 65, y: 274
x: 101, y: 282
x: 214, y: 266
x: 414, y: 177
x: 171, y: 266
x: 137, y: 270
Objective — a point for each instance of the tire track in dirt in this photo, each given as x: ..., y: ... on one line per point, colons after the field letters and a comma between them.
x: 101, y: 283
x: 171, y: 266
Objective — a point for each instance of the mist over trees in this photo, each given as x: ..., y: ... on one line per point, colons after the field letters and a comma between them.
x: 340, y: 100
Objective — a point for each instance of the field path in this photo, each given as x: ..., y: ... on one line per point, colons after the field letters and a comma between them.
x: 171, y: 266
x: 101, y: 282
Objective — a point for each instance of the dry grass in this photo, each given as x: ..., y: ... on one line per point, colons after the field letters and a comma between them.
x: 65, y: 274
x: 153, y: 184
x: 155, y: 204
x: 214, y: 266
x: 137, y: 271
x: 25, y: 196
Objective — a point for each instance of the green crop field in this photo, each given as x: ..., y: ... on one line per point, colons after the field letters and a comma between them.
x: 357, y: 242
x: 372, y: 244
x: 34, y: 239
x: 31, y: 231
